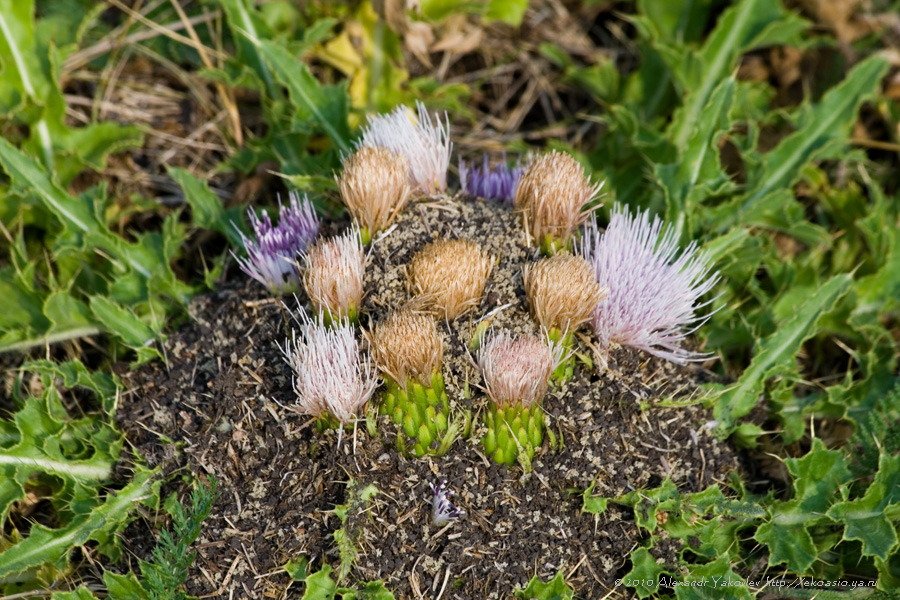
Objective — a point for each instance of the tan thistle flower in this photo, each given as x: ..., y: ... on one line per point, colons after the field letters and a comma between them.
x: 334, y: 273
x: 449, y: 275
x: 552, y: 197
x: 517, y: 370
x: 562, y: 291
x: 407, y: 344
x: 374, y: 187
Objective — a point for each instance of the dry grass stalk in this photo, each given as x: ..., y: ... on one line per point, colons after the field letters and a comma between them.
x: 333, y: 275
x: 562, y: 291
x: 450, y: 275
x: 374, y: 187
x: 552, y: 196
x: 407, y: 344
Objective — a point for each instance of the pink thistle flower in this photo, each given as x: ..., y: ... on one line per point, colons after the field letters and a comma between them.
x: 424, y: 141
x: 272, y: 254
x: 516, y: 371
x: 331, y: 379
x: 654, y: 293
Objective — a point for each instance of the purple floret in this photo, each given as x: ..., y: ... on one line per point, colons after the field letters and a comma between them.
x: 272, y: 254
x: 442, y: 510
x: 497, y: 183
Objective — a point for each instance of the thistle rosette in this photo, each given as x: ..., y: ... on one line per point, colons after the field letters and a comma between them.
x: 408, y: 348
x: 332, y: 381
x: 562, y: 295
x: 333, y: 277
x: 273, y: 251
x: 374, y: 187
x: 554, y: 198
x: 448, y: 276
x: 422, y: 139
x: 516, y: 372
x: 654, y: 287
x: 493, y: 183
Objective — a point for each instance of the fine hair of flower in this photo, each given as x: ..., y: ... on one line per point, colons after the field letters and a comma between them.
x: 442, y: 510
x: 272, y: 252
x: 331, y: 378
x: 555, y: 197
x: 407, y: 344
x: 561, y: 291
x: 517, y: 370
x: 424, y: 141
x: 493, y: 183
x: 654, y: 290
x: 374, y: 187
x: 334, y: 272
x: 450, y: 275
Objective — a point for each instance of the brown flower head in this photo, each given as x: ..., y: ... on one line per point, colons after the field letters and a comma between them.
x: 407, y: 344
x: 334, y: 273
x: 517, y: 370
x: 449, y: 275
x: 552, y: 196
x: 562, y: 291
x: 374, y: 187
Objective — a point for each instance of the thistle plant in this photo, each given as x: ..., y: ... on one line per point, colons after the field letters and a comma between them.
x: 332, y: 381
x: 374, y: 187
x: 516, y: 372
x: 442, y: 510
x: 554, y: 198
x: 273, y: 251
x: 333, y: 277
x: 423, y: 140
x: 408, y: 349
x: 654, y: 292
x: 449, y: 276
x: 497, y: 183
x: 562, y: 294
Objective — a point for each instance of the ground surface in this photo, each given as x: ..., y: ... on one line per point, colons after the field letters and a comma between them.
x: 222, y: 401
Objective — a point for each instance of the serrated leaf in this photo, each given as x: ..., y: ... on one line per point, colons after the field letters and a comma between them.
x: 698, y: 162
x: 750, y: 24
x: 320, y: 586
x: 644, y: 573
x: 864, y: 518
x: 776, y: 353
x: 51, y: 546
x: 122, y: 322
x: 555, y: 589
x: 372, y: 590
x: 711, y: 581
x: 81, y: 593
x: 124, y: 587
x: 594, y: 505
x: 326, y: 106
x: 823, y: 132
x: 207, y: 207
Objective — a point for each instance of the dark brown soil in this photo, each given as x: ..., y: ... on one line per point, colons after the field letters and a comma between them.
x: 220, y: 406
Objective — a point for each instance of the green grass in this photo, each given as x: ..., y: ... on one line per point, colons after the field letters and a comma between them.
x: 806, y: 235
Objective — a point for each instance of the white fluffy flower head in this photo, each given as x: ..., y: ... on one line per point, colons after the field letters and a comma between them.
x: 654, y: 292
x: 423, y: 140
x: 334, y: 274
x: 330, y: 377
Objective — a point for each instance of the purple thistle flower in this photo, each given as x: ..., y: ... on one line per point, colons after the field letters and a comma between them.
x: 442, y: 510
x: 654, y: 292
x: 272, y: 255
x: 498, y: 183
x: 425, y: 142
